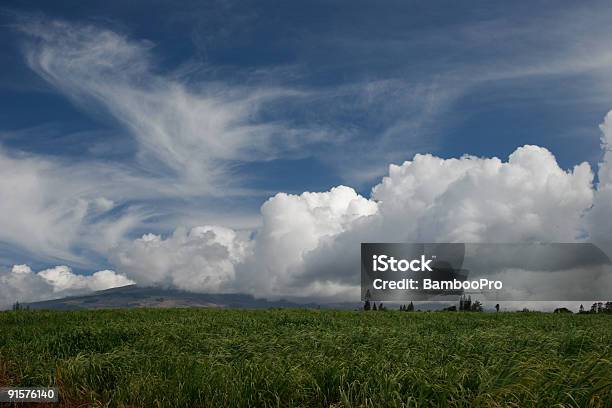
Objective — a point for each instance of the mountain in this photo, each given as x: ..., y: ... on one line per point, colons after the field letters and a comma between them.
x: 136, y: 296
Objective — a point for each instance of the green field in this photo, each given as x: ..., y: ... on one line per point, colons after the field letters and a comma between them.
x: 306, y: 358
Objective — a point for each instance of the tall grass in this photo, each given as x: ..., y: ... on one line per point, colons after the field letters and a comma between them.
x: 305, y: 358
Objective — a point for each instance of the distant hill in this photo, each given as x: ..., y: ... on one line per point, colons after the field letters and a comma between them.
x: 136, y: 296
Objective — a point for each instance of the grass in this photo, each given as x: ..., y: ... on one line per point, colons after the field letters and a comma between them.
x: 310, y: 358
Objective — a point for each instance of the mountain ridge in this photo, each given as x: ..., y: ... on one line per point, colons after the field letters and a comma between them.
x: 133, y: 296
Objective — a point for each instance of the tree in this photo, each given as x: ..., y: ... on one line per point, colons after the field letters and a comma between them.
x: 476, y: 306
x: 497, y: 308
x: 562, y: 310
x: 374, y: 306
x: 465, y: 303
x: 366, y: 305
x: 410, y: 307
x: 581, y: 310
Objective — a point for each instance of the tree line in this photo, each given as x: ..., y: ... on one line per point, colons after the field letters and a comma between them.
x: 466, y: 304
x: 597, y: 307
x: 18, y: 306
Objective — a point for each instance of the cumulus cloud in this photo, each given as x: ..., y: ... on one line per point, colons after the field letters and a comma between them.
x: 308, y: 244
x: 471, y: 199
x: 212, y: 258
x: 202, y: 259
x: 21, y: 284
x: 294, y: 225
x: 528, y: 198
x: 598, y: 221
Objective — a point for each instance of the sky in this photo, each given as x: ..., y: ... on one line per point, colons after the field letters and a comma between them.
x: 250, y: 146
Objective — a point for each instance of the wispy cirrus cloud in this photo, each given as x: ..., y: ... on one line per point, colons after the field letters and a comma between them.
x: 421, y: 85
x: 192, y: 132
x: 189, y: 139
x: 49, y: 207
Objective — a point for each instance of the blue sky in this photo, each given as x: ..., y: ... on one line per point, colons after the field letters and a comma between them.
x: 190, y: 113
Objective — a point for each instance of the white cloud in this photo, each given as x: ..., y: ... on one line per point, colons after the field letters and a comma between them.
x: 527, y: 198
x: 190, y: 132
x: 218, y: 259
x: 63, y: 280
x: 308, y: 244
x: 292, y: 226
x: 21, y: 284
x: 29, y: 212
x: 102, y: 204
x: 47, y: 207
x: 429, y: 199
x: 600, y: 216
x: 202, y: 259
